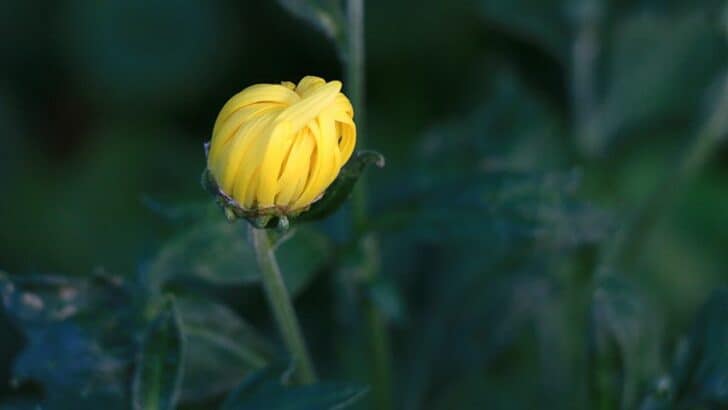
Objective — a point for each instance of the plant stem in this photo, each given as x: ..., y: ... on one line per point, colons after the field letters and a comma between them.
x: 355, y: 80
x: 354, y: 60
x: 589, y: 142
x: 280, y: 304
x: 585, y: 50
x: 380, y: 347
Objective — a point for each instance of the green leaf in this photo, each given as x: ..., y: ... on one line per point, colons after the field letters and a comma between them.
x: 652, y: 70
x: 80, y: 358
x: 477, y: 320
x: 625, y: 338
x: 485, y: 175
x: 180, y: 213
x: 325, y: 15
x: 219, y: 253
x: 221, y: 349
x: 301, y: 256
x: 267, y: 389
x: 215, y: 252
x: 158, y: 373
x: 341, y: 188
x: 542, y: 22
x: 700, y: 374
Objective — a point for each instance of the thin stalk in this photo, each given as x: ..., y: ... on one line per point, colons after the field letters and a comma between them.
x: 281, y: 306
x: 585, y: 50
x: 381, y: 364
x: 589, y: 142
x: 354, y: 60
x: 355, y: 81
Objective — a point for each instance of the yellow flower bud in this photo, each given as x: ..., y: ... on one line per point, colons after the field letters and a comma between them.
x: 276, y: 148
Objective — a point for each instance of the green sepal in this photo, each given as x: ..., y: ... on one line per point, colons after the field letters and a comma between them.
x: 208, y: 183
x: 342, y: 187
x: 273, y: 218
x: 260, y: 218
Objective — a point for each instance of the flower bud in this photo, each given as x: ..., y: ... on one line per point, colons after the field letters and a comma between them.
x: 275, y: 148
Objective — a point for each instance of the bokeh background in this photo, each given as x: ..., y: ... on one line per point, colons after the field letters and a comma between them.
x: 521, y: 138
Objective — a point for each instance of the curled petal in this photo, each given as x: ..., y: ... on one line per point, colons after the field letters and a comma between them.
x: 276, y: 148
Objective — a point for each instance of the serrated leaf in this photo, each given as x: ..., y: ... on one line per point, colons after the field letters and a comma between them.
x: 266, y: 390
x: 624, y: 338
x: 700, y: 373
x: 215, y: 252
x: 221, y: 349
x: 342, y: 187
x: 324, y: 15
x: 158, y: 373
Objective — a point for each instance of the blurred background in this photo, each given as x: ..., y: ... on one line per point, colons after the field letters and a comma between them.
x: 555, y: 186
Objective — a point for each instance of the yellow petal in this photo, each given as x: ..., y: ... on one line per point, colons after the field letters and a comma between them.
x: 324, y: 134
x: 348, y: 141
x: 295, y: 169
x: 227, y: 130
x: 272, y: 153
x: 255, y: 94
x: 303, y: 112
x: 308, y: 84
x: 227, y: 168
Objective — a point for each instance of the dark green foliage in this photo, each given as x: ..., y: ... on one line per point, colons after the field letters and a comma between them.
x: 158, y: 370
x: 213, y: 251
x: 220, y: 348
x: 270, y: 389
x: 649, y: 56
x: 525, y: 140
x: 78, y: 357
x: 700, y: 373
x: 545, y: 22
x: 302, y: 254
x: 625, y: 336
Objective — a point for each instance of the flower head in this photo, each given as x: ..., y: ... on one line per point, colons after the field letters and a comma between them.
x: 276, y: 148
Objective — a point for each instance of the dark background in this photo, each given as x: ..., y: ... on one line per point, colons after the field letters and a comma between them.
x: 105, y: 106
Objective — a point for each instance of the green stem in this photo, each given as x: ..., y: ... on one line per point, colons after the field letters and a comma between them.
x: 280, y: 304
x: 355, y: 60
x: 585, y: 50
x: 355, y: 81
x: 589, y: 142
x: 381, y: 364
